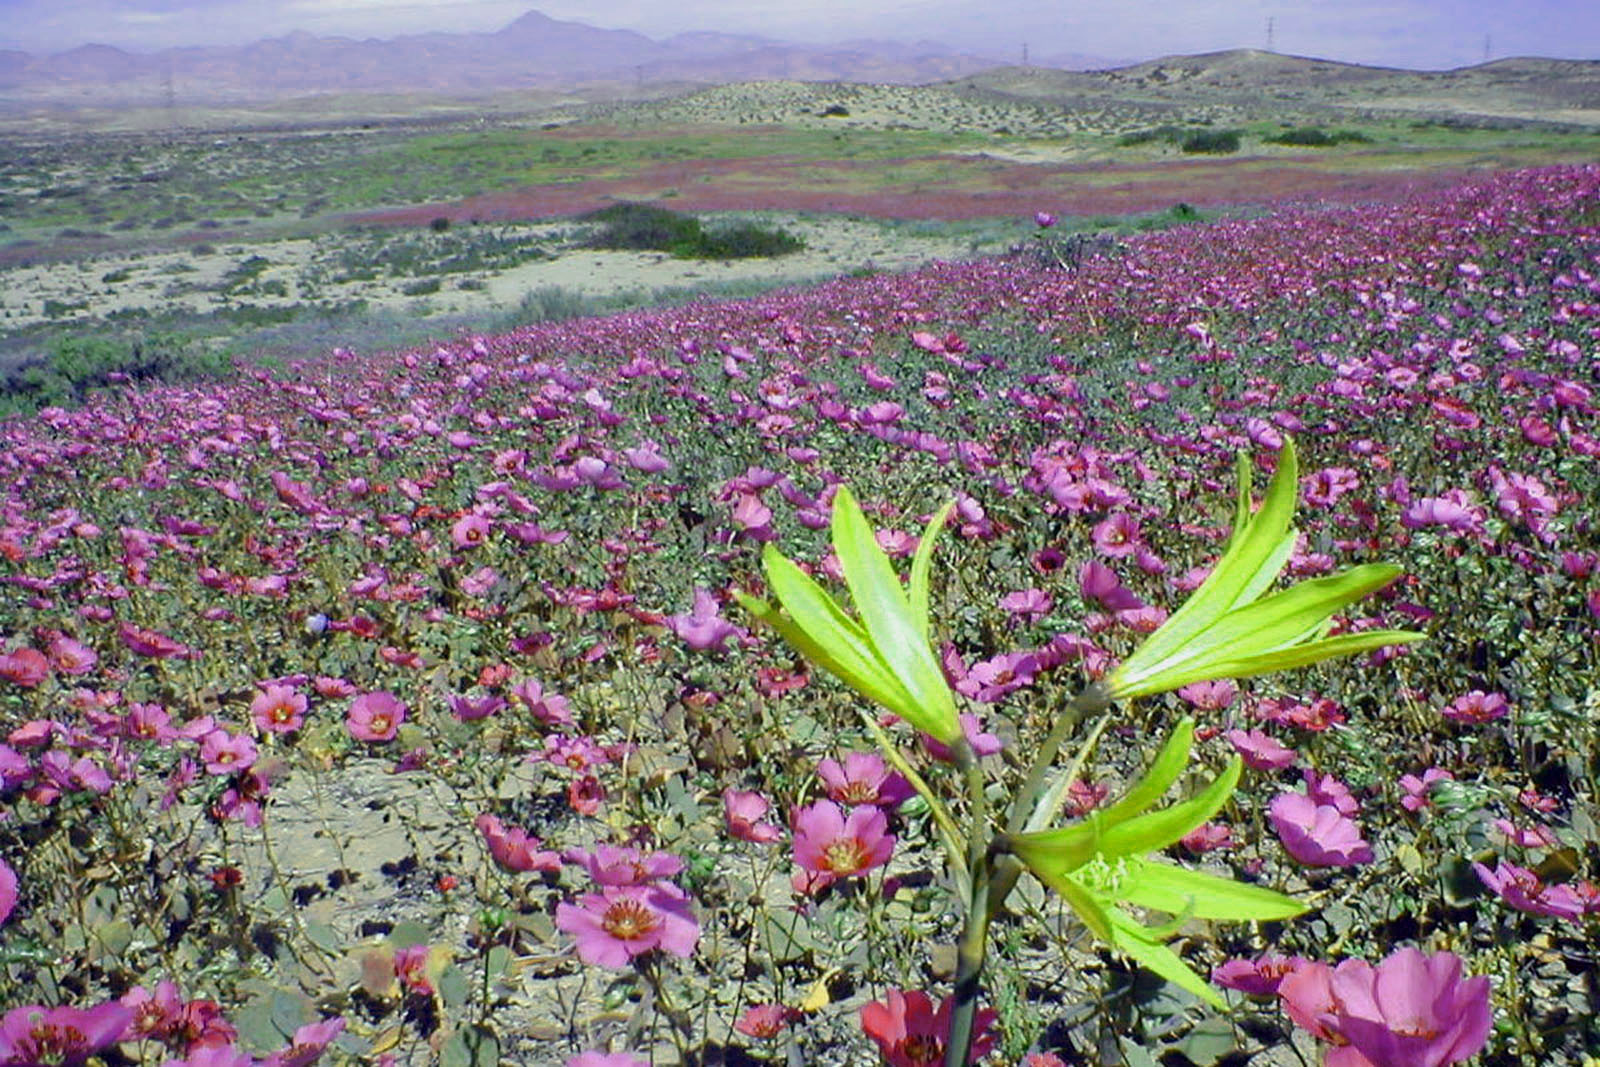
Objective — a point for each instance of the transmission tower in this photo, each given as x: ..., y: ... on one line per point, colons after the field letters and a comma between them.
x: 1270, y: 27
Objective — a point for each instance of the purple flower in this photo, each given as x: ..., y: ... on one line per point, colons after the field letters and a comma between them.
x: 703, y: 629
x: 1412, y: 1010
x: 1261, y: 751
x: 621, y: 922
x: 8, y: 890
x: 34, y: 1036
x: 596, y: 1058
x: 1259, y: 977
x: 831, y: 845
x: 743, y: 812
x: 862, y: 779
x: 1525, y: 891
x: 1417, y: 789
x: 1317, y: 835
x: 1477, y: 707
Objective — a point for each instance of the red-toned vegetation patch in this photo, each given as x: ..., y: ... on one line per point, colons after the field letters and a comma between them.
x: 964, y: 188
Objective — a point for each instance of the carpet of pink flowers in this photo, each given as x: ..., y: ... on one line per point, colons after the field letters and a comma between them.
x: 395, y: 708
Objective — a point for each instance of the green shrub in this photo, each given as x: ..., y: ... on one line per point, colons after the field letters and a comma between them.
x: 747, y: 240
x: 1211, y: 142
x: 1314, y: 137
x: 645, y: 227
x: 421, y: 288
x: 72, y: 368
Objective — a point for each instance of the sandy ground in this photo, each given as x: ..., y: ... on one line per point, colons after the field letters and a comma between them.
x: 192, y: 280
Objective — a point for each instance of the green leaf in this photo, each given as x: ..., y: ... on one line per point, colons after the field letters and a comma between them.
x: 1157, y: 830
x: 1245, y: 564
x: 1084, y: 904
x: 899, y: 639
x: 471, y: 1046
x: 1179, y: 890
x: 1266, y: 625
x: 848, y: 658
x: 1168, y: 764
x: 1062, y: 850
x: 921, y: 563
x: 1134, y: 941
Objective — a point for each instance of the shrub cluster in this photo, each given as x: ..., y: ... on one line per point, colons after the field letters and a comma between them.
x: 645, y: 227
x: 1211, y: 142
x: 1316, y: 137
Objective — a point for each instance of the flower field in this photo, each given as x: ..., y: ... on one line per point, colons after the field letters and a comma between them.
x: 430, y: 707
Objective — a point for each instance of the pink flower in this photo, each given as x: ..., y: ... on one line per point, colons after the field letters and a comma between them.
x: 862, y: 778
x: 72, y: 657
x: 1208, y: 837
x: 1326, y: 789
x: 8, y: 890
x: 1117, y: 535
x: 586, y: 794
x: 910, y: 1033
x: 1217, y: 695
x: 375, y: 716
x: 1317, y: 835
x: 224, y: 753
x: 765, y: 1021
x: 1261, y: 751
x: 548, y: 708
x: 596, y: 1058
x: 703, y: 629
x: 1477, y: 708
x: 515, y: 849
x: 1525, y: 891
x: 620, y: 922
x: 278, y: 709
x: 1417, y: 789
x: 1100, y: 584
x: 26, y: 667
x: 469, y: 531
x: 154, y: 645
x: 1412, y: 1010
x: 829, y: 844
x: 411, y: 968
x: 983, y: 744
x: 1043, y: 219
x: 307, y: 1045
x: 1029, y: 605
x: 470, y: 709
x: 59, y: 1037
x: 621, y: 865
x: 743, y: 812
x: 1259, y: 977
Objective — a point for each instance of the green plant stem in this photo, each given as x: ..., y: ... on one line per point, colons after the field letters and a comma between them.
x: 969, y: 966
x: 1091, y: 700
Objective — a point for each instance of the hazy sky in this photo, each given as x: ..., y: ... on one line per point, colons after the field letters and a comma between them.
x: 1420, y: 33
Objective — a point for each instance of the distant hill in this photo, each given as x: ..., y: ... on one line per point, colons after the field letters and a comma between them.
x: 534, y: 52
x: 1249, y: 80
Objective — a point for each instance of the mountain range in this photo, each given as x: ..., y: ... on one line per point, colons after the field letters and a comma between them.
x: 534, y: 52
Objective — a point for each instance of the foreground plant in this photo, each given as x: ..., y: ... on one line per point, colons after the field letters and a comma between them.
x: 1104, y: 863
